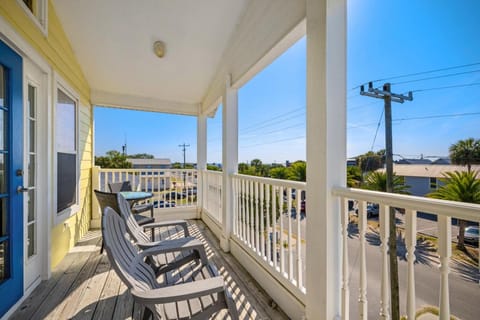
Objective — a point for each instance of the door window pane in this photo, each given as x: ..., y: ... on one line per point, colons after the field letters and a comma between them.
x: 31, y: 171
x: 3, y: 217
x: 3, y: 128
x: 4, y: 274
x: 2, y: 86
x: 31, y: 100
x: 32, y: 136
x: 31, y: 245
x: 3, y: 173
x: 31, y: 205
x: 65, y: 124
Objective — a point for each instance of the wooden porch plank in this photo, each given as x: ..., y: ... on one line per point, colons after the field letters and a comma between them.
x: 72, y: 297
x: 109, y: 298
x: 124, y: 305
x: 64, y: 285
x: 42, y: 292
x: 91, y: 296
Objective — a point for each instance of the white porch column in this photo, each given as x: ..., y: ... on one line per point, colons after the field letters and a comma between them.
x: 201, y: 159
x: 326, y: 154
x: 229, y: 159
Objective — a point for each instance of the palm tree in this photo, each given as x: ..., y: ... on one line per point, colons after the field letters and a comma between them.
x: 465, y: 152
x: 354, y: 176
x: 377, y: 181
x: 459, y: 186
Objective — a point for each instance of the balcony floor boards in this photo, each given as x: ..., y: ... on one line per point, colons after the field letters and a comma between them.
x: 84, y: 286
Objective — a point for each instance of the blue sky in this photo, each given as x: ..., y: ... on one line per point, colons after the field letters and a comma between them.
x: 417, y: 36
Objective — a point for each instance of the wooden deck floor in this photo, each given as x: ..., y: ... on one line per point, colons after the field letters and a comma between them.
x: 84, y: 286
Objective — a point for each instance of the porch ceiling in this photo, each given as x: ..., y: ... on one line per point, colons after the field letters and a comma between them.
x: 113, y: 41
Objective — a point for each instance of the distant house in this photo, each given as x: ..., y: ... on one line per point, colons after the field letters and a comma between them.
x: 414, y: 161
x: 424, y: 178
x: 150, y: 163
x: 442, y: 161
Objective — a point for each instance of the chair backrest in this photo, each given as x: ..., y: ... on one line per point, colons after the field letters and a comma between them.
x: 117, y: 187
x: 135, y: 231
x: 123, y: 255
x: 107, y: 199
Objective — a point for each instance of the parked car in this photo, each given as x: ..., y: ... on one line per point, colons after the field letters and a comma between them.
x: 471, y: 234
x: 372, y: 210
x: 163, y: 204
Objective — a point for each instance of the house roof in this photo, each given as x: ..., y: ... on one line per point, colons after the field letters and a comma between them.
x: 414, y: 161
x: 428, y: 170
x: 206, y: 42
x: 149, y: 162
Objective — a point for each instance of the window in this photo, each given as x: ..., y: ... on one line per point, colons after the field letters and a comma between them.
x: 66, y: 129
x: 433, y: 183
x: 37, y: 11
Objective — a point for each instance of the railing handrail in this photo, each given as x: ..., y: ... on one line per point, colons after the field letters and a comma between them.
x: 276, y: 182
x: 462, y: 210
x: 143, y: 170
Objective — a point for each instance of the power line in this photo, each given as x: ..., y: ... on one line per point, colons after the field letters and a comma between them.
x: 420, y: 73
x: 274, y: 141
x: 437, y: 77
x: 266, y: 124
x: 420, y: 118
x: 449, y: 87
x: 281, y: 115
x: 376, y: 131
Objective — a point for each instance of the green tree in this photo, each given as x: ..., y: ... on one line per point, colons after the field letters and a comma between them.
x: 354, y: 176
x: 371, y: 161
x: 114, y: 160
x: 459, y: 186
x: 297, y: 171
x: 141, y: 156
x: 212, y: 167
x: 465, y: 152
x: 278, y: 173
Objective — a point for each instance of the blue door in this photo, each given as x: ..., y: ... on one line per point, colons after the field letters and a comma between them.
x: 11, y: 165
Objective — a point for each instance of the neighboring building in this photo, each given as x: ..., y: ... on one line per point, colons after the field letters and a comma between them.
x: 442, y: 161
x: 414, y: 161
x: 424, y: 179
x: 150, y: 163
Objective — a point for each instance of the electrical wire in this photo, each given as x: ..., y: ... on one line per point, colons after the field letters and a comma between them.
x: 376, y: 131
x: 420, y: 73
x: 448, y: 87
x: 437, y: 77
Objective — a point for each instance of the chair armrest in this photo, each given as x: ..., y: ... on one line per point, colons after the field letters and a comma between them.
x: 175, y: 245
x: 179, y: 292
x: 169, y: 223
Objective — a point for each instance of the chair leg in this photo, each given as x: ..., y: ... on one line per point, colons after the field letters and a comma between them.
x: 101, y: 249
x: 147, y: 314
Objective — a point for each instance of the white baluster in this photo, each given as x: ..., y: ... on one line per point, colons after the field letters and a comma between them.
x: 244, y: 211
x: 362, y: 230
x: 262, y: 224
x: 385, y: 285
x: 256, y: 196
x: 299, y: 242
x: 267, y: 218
x: 444, y: 252
x: 274, y: 225
x: 282, y: 238
x: 411, y: 242
x: 345, y: 285
x: 289, y: 219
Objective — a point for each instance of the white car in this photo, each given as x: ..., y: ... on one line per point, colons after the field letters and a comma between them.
x: 471, y: 234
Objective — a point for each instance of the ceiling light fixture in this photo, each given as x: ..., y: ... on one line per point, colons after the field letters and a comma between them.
x: 159, y: 48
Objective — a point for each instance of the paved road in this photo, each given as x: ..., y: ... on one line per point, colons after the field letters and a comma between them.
x: 464, y: 290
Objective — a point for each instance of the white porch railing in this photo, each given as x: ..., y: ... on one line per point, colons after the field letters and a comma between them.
x: 270, y: 222
x: 212, y: 194
x: 444, y: 210
x: 173, y: 190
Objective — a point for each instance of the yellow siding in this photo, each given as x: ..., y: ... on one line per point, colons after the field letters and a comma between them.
x: 56, y: 50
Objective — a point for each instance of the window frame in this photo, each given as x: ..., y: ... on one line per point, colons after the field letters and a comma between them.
x: 41, y: 19
x: 60, y: 84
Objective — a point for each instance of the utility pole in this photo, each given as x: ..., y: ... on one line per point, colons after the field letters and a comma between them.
x: 184, y: 149
x: 389, y: 97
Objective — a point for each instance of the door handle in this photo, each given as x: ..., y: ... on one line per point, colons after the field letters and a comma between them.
x: 23, y: 189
